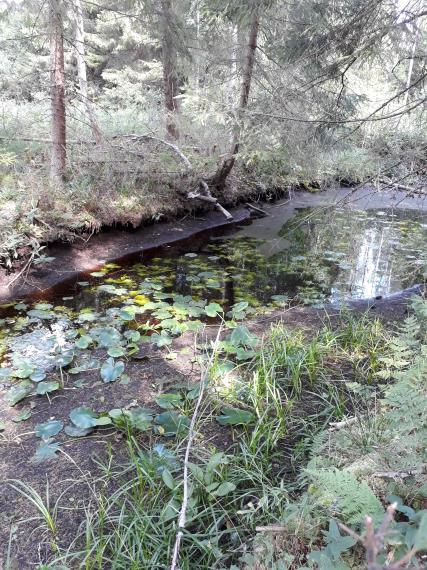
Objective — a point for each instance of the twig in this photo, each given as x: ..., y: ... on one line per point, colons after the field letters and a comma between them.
x: 183, y: 510
x: 374, y: 541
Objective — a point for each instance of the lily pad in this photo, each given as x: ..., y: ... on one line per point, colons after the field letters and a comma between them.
x: 83, y: 417
x: 38, y: 376
x: 213, y: 309
x: 74, y: 431
x: 112, y: 370
x: 171, y: 423
x: 84, y: 341
x: 19, y: 392
x: 49, y: 429
x: 46, y: 451
x: 169, y: 401
x: 234, y: 417
x: 47, y: 387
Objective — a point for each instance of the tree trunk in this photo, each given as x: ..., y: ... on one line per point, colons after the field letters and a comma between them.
x: 58, y: 152
x: 170, y: 77
x: 226, y: 167
x: 82, y: 74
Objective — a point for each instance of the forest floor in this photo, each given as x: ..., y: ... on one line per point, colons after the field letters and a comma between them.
x: 67, y: 482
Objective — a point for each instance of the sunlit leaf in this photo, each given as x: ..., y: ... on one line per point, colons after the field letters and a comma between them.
x: 112, y: 370
x: 234, y: 417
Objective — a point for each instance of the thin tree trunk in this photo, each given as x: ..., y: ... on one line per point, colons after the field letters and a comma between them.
x: 411, y: 66
x: 170, y: 77
x: 58, y: 127
x: 82, y: 73
x: 226, y: 167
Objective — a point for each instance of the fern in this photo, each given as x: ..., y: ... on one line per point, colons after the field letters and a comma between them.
x: 350, y: 498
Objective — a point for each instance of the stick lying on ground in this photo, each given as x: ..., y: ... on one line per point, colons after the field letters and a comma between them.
x: 183, y: 510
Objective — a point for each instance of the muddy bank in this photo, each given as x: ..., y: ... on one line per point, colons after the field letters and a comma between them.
x: 75, y: 261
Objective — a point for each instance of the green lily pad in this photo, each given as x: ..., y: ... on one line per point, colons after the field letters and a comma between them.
x: 47, y: 387
x: 169, y: 401
x: 171, y: 423
x: 5, y: 372
x: 22, y: 416
x: 116, y: 351
x: 38, y: 376
x: 24, y: 370
x: 234, y: 417
x: 112, y: 370
x: 64, y: 359
x: 83, y: 417
x: 83, y: 342
x: 49, y: 429
x: 19, y: 392
x: 74, y: 431
x: 213, y: 309
x: 46, y: 451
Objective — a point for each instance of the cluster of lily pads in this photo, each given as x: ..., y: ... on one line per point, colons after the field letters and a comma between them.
x: 131, y: 316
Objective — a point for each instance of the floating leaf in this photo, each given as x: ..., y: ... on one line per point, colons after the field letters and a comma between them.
x: 234, y: 417
x: 169, y: 401
x: 19, y: 392
x: 106, y: 336
x: 46, y: 451
x: 112, y: 370
x: 98, y: 273
x: 5, y: 372
x: 40, y: 314
x: 49, y: 429
x: 47, y: 387
x: 83, y: 417
x: 171, y: 423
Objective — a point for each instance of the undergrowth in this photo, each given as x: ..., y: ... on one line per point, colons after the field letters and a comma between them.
x: 327, y: 428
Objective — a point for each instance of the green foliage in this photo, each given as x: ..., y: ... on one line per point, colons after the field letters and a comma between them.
x: 344, y: 495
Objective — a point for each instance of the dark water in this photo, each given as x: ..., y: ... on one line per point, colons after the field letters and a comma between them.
x: 318, y: 255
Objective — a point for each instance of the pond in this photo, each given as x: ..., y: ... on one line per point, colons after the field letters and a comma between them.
x: 298, y: 254
x: 316, y: 256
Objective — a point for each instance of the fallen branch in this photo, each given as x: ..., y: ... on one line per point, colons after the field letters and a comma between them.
x: 206, y: 196
x: 183, y: 511
x: 338, y: 425
x: 256, y: 209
